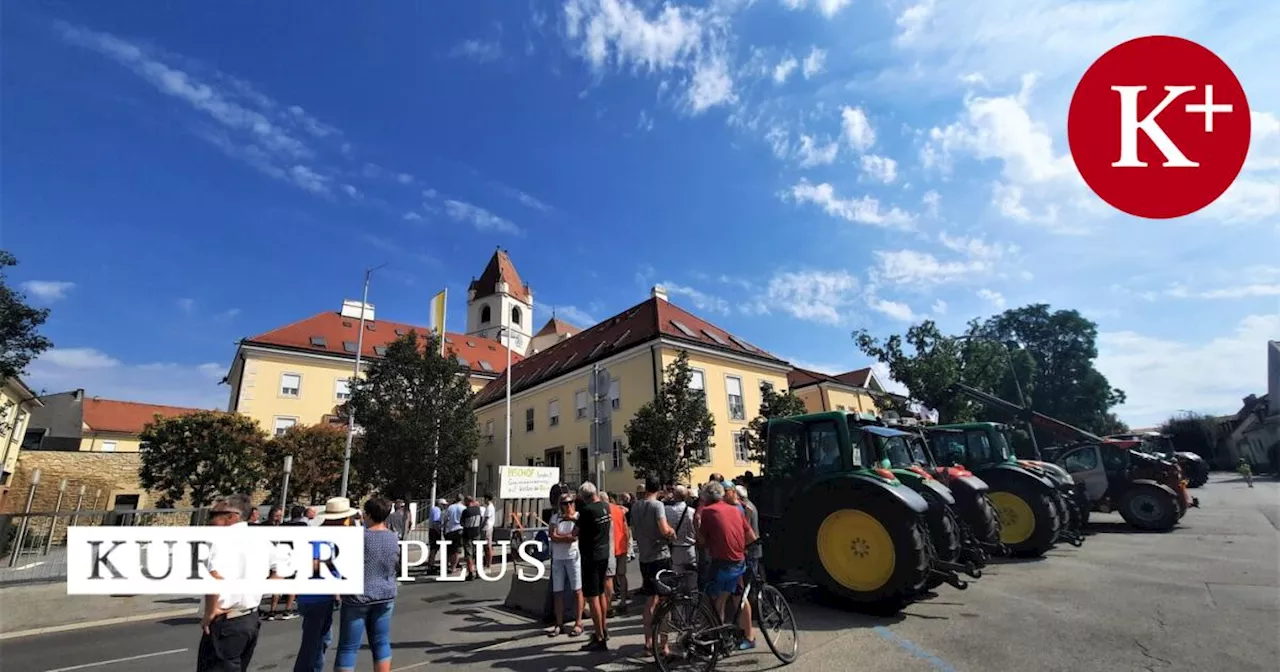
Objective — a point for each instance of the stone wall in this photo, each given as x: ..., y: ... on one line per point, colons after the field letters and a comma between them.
x: 109, y: 473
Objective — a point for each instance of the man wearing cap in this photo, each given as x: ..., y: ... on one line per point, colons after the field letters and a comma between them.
x: 229, y: 621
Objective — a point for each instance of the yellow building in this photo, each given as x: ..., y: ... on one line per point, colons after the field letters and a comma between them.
x: 550, y: 411
x: 16, y: 403
x: 853, y: 391
x: 298, y: 374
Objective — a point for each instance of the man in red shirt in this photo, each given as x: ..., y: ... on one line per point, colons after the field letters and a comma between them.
x: 723, y: 531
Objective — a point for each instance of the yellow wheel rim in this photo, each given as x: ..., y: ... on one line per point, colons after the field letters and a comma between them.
x: 1017, y: 522
x: 856, y: 550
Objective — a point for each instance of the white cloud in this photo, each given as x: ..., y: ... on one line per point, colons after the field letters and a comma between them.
x: 932, y: 200
x: 827, y: 8
x: 1162, y: 376
x: 996, y: 299
x: 48, y: 291
x: 101, y: 375
x: 939, y: 307
x: 912, y: 268
x: 784, y: 68
x: 890, y: 385
x: 572, y: 314
x: 813, y: 155
x: 412, y: 217
x: 352, y: 192
x: 1243, y: 291
x: 881, y: 168
x: 779, y: 141
x: 251, y: 127
x: 815, y: 296
x: 482, y: 51
x: 478, y: 217
x: 527, y: 200
x: 645, y: 123
x: 865, y: 210
x: 976, y: 248
x: 814, y: 62
x: 700, y: 300
x: 404, y: 178
x: 187, y: 305
x: 913, y: 19
x: 1264, y: 142
x: 675, y: 39
x: 857, y: 129
x: 1247, y: 200
x: 894, y: 309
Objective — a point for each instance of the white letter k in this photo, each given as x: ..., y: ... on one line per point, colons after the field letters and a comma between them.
x: 1129, y: 127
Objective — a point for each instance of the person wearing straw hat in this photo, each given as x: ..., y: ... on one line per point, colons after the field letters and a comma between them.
x: 317, y: 610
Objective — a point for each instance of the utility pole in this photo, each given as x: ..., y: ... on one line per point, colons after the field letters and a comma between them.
x: 506, y: 333
x: 351, y: 414
x: 1031, y: 430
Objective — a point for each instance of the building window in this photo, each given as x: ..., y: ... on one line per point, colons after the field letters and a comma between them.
x: 342, y: 389
x: 485, y: 315
x: 741, y: 451
x: 290, y: 384
x: 698, y: 381
x: 733, y: 387
x: 553, y: 413
x: 488, y: 431
x: 515, y: 315
x: 840, y: 408
x: 580, y: 404
x: 108, y: 446
x: 282, y: 425
x: 615, y: 395
x: 528, y: 419
x: 530, y: 461
x: 617, y: 457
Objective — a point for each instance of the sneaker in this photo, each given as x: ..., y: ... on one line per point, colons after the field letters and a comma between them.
x: 596, y: 645
x: 289, y: 615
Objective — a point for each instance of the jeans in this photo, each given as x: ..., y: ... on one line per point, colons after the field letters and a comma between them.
x: 357, y: 621
x: 317, y: 621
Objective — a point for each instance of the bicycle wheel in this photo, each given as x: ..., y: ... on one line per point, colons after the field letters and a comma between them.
x: 775, y: 620
x: 680, y: 624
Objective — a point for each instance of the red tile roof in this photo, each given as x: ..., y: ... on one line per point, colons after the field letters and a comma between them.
x: 556, y: 325
x: 636, y: 325
x: 856, y: 378
x: 500, y: 269
x: 338, y: 331
x: 127, y: 417
x: 802, y: 377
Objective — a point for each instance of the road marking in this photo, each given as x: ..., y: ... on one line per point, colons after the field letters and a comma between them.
x: 151, y: 616
x: 117, y: 660
x: 413, y: 666
x: 913, y: 648
x: 29, y: 566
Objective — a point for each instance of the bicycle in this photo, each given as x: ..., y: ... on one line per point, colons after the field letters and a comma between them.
x: 700, y: 634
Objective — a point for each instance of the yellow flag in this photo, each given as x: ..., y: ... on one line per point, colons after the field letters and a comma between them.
x: 438, y: 304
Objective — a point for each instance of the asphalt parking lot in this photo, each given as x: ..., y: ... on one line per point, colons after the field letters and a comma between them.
x: 1205, y: 596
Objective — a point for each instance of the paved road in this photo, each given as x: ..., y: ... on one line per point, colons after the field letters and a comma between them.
x: 1204, y: 596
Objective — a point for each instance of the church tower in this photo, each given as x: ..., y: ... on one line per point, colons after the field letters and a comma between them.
x: 497, y: 299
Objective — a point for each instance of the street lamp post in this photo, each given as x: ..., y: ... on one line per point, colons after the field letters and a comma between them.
x: 504, y: 332
x: 284, y: 489
x: 351, y: 414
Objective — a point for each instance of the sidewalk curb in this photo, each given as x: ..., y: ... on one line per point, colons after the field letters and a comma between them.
x: 155, y: 615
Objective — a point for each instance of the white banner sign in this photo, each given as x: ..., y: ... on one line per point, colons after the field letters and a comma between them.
x: 178, y: 560
x: 526, y: 482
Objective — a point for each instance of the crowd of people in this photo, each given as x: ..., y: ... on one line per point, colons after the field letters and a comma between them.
x: 592, y: 535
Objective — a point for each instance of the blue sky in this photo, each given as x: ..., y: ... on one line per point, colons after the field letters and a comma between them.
x: 180, y: 176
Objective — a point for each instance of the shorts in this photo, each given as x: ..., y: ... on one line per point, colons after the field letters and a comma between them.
x: 433, y: 537
x: 454, y: 540
x: 469, y: 548
x: 566, y: 575
x: 488, y: 535
x: 649, y: 574
x: 722, y: 578
x: 594, y: 574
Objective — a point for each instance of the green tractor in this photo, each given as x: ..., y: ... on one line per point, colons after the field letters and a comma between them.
x: 1035, y: 503
x: 963, y: 523
x: 829, y: 510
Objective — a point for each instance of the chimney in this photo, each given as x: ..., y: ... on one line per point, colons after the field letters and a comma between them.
x: 659, y: 292
x: 352, y: 309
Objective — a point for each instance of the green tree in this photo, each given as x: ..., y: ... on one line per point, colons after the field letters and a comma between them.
x: 1192, y: 433
x: 19, y: 340
x: 773, y: 404
x: 671, y: 435
x: 202, y: 455
x: 1063, y: 344
x: 317, y: 462
x: 414, y: 409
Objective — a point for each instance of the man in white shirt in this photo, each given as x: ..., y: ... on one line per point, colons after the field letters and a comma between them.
x: 490, y: 513
x: 230, y: 620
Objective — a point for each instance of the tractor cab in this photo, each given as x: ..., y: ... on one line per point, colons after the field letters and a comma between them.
x: 1108, y: 472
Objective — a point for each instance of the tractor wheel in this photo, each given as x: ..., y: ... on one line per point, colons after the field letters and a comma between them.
x: 867, y: 549
x: 1084, y: 506
x: 1029, y: 520
x: 944, y: 534
x: 1197, y: 475
x: 1147, y: 507
x: 983, y: 520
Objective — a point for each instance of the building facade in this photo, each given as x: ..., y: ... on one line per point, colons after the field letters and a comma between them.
x: 17, y: 402
x: 500, y: 305
x: 854, y: 391
x: 551, y: 412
